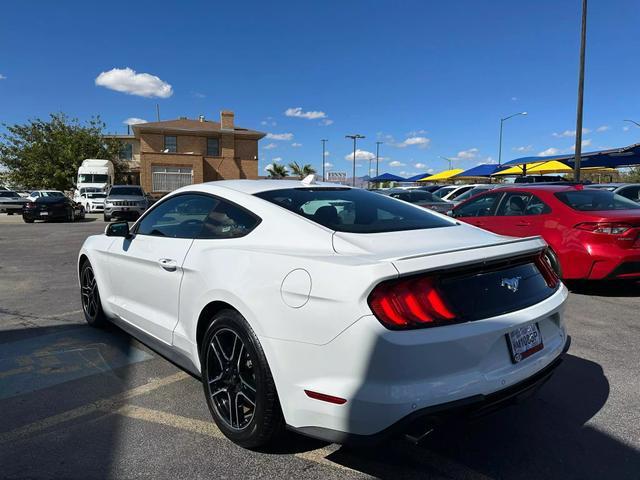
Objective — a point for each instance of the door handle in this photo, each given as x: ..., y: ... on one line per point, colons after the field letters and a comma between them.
x: 168, y: 264
x: 522, y: 224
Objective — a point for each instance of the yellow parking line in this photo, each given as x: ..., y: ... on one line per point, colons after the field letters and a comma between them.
x: 108, y: 404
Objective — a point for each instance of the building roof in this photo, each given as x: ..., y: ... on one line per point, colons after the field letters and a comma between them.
x: 189, y: 126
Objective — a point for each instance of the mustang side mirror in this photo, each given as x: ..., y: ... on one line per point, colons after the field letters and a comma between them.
x: 118, y: 229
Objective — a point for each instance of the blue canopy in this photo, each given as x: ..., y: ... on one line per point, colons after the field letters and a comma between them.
x: 415, y: 178
x: 484, y: 170
x: 387, y: 177
x: 612, y: 158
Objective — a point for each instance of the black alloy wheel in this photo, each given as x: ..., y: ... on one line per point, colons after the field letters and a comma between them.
x: 238, y: 385
x: 90, y: 296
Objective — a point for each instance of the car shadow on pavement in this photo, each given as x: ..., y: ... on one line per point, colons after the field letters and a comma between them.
x: 605, y: 288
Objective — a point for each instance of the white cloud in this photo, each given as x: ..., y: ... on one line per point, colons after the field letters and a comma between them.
x: 280, y: 136
x: 431, y: 170
x: 548, y: 152
x: 297, y: 112
x: 269, y: 146
x: 277, y: 159
x: 325, y: 122
x: 360, y: 155
x: 625, y: 128
x: 523, y: 149
x: 514, y: 99
x: 134, y: 121
x: 469, y: 154
x: 422, y: 142
x: 570, y: 133
x: 585, y: 143
x: 296, y: 145
x: 603, y: 128
x: 269, y: 121
x: 327, y: 153
x: 267, y: 167
x: 3, y: 77
x: 199, y: 95
x: 328, y: 164
x: 421, y: 165
x: 396, y: 163
x: 128, y: 81
x: 415, y: 133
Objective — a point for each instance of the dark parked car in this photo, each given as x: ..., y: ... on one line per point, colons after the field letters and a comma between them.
x: 11, y: 202
x: 52, y: 208
x: 420, y: 198
x: 628, y: 190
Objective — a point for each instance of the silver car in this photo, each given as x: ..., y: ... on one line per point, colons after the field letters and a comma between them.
x: 126, y: 202
x: 11, y: 202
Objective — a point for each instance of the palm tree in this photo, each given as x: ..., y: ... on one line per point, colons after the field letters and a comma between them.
x: 302, y: 171
x: 277, y: 171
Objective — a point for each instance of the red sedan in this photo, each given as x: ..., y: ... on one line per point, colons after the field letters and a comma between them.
x: 592, y: 234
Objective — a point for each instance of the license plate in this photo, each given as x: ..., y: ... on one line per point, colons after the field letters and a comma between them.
x: 44, y: 214
x: 524, y: 342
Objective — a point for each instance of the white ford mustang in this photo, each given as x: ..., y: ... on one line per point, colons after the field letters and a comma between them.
x: 332, y: 311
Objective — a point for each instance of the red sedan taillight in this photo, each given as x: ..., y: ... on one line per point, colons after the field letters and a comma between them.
x: 608, y: 228
x: 413, y: 302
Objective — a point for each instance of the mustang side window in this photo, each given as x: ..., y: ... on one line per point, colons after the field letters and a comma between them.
x: 227, y: 220
x: 179, y: 217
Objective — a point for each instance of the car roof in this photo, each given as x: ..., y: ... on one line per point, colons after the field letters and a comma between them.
x: 256, y: 186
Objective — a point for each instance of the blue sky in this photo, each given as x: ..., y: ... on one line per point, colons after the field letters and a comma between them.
x: 428, y: 78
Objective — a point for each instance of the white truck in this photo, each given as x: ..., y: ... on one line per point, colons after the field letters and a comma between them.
x: 95, y: 173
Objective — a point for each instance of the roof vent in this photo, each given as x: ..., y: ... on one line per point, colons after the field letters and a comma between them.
x: 201, y: 118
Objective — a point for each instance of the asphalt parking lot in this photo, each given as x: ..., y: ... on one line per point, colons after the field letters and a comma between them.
x: 76, y: 402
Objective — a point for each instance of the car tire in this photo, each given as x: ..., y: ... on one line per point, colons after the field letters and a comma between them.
x: 106, y: 217
x: 554, y: 262
x: 233, y: 364
x: 27, y: 220
x: 90, y: 297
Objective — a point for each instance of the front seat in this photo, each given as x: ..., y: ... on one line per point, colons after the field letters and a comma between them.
x: 516, y: 206
x: 327, y: 215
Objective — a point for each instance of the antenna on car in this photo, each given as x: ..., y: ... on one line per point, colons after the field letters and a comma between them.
x: 309, y: 180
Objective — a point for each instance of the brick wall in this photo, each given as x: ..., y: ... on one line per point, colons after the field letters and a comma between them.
x: 149, y: 160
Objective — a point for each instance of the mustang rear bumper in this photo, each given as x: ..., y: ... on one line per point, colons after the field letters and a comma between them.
x: 418, y: 424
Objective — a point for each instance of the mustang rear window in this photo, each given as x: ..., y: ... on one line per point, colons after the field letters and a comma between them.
x: 589, y: 200
x: 354, y: 210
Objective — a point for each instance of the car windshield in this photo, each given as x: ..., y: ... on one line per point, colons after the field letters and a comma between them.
x: 353, y: 210
x: 441, y: 192
x: 93, y: 178
x: 52, y: 194
x: 589, y: 200
x: 471, y: 193
x: 126, y: 191
x: 96, y: 195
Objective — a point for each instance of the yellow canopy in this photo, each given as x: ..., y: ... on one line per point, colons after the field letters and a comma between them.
x: 552, y: 166
x: 443, y: 175
x: 517, y: 170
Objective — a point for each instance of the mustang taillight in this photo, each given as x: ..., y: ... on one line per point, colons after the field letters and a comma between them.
x: 546, y: 270
x: 604, y: 227
x: 413, y: 302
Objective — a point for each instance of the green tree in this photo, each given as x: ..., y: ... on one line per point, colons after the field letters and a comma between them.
x: 301, y: 171
x: 277, y: 171
x: 47, y: 154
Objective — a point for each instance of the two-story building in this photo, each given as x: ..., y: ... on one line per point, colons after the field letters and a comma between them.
x: 180, y: 152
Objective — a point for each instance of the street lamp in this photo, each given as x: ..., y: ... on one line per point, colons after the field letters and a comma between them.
x: 583, y: 44
x: 377, y: 156
x: 634, y: 122
x: 355, y: 138
x: 324, y: 140
x: 502, y: 120
x: 448, y: 160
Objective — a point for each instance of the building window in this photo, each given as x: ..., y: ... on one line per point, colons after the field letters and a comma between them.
x: 167, y: 179
x: 126, y: 153
x: 170, y: 144
x: 213, y: 147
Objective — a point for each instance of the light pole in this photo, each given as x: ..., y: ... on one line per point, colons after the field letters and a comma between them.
x: 324, y: 140
x: 502, y: 120
x: 378, y: 156
x: 583, y: 41
x: 355, y: 138
x: 634, y: 122
x: 448, y: 160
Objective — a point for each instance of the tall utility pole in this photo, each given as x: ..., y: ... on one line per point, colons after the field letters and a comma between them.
x: 502, y: 120
x: 450, y: 160
x: 583, y: 41
x: 158, y: 111
x: 378, y: 157
x: 355, y: 138
x: 324, y: 140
